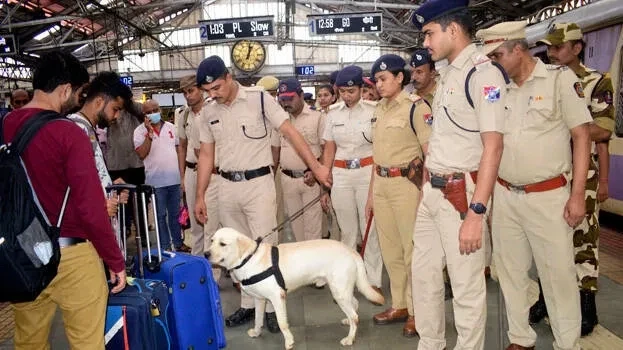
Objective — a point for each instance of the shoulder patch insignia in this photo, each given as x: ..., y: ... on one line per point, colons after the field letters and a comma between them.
x: 607, y: 96
x: 491, y: 93
x: 428, y: 119
x: 577, y: 86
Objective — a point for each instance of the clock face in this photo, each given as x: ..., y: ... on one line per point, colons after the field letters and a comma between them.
x: 248, y: 56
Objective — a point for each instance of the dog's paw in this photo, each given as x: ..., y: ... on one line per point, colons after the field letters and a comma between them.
x: 289, y: 346
x: 345, y: 322
x: 253, y: 333
x: 346, y: 341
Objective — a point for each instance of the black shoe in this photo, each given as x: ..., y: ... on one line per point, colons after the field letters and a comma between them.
x: 271, y: 322
x: 589, y: 312
x: 240, y: 317
x: 538, y: 311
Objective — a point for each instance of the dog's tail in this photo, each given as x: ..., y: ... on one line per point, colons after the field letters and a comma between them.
x: 364, y: 286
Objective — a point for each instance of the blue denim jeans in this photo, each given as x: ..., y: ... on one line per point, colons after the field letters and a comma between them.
x: 168, y: 207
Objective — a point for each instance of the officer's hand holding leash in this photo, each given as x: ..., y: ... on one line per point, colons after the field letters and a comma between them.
x: 322, y: 174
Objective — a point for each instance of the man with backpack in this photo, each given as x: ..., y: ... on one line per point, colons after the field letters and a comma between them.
x: 58, y: 160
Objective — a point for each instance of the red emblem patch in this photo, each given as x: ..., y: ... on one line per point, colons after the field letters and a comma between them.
x: 578, y: 89
x: 428, y: 119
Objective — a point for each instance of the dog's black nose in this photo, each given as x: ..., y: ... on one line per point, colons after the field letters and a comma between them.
x: 207, y: 255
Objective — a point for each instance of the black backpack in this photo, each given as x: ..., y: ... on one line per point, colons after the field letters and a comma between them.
x: 29, y: 248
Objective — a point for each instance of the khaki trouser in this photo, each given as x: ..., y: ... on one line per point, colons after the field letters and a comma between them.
x: 250, y: 208
x: 80, y: 290
x: 349, y: 195
x: 395, y: 201
x: 297, y: 194
x: 196, y: 229
x: 527, y: 226
x: 435, y: 245
x: 213, y: 223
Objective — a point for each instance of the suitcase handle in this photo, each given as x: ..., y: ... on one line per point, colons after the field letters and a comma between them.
x: 151, y: 262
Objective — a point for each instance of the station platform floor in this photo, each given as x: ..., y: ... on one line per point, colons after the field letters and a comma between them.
x: 315, y: 319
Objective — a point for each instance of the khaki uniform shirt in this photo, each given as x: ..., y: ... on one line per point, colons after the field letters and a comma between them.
x: 455, y: 144
x: 542, y: 111
x: 239, y: 131
x: 598, y: 94
x: 187, y: 124
x: 311, y: 125
x: 395, y: 142
x: 351, y: 129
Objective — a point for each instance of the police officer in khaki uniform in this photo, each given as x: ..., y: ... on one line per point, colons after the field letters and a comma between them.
x: 401, y: 132
x: 564, y: 46
x: 186, y: 124
x: 238, y: 123
x: 298, y: 184
x: 535, y: 209
x: 270, y: 84
x: 464, y: 152
x: 348, y: 149
x: 423, y: 75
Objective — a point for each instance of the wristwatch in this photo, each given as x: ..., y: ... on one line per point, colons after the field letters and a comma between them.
x: 478, y: 208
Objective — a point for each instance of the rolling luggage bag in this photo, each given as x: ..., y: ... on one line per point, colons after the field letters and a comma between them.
x: 136, y: 316
x: 195, y: 315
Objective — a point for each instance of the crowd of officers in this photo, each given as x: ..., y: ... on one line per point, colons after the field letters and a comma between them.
x: 495, y: 152
x: 494, y: 149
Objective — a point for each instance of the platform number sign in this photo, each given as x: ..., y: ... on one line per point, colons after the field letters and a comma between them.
x: 127, y: 80
x: 305, y: 70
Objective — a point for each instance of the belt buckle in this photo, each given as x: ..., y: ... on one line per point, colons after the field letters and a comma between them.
x: 238, y: 176
x: 517, y: 188
x: 298, y: 173
x: 353, y: 163
x: 384, y: 172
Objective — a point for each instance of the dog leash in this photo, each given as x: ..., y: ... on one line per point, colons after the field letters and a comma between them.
x: 365, y: 237
x: 291, y: 218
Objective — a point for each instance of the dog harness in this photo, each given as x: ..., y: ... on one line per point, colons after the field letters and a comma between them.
x: 272, y: 270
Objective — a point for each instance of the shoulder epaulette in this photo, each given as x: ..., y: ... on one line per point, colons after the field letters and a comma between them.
x: 254, y: 88
x: 370, y: 103
x: 415, y: 98
x: 555, y: 67
x: 336, y: 105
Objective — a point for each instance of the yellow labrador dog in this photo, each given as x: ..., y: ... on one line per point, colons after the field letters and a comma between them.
x: 299, y: 264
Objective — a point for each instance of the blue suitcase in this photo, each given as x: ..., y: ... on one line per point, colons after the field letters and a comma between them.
x: 136, y: 317
x: 195, y: 315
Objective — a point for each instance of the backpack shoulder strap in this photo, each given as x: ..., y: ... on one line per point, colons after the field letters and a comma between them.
x: 469, y: 76
x: 31, y: 127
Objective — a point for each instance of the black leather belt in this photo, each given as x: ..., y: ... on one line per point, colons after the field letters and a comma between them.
x: 295, y: 174
x: 191, y: 165
x: 237, y: 176
x: 69, y: 241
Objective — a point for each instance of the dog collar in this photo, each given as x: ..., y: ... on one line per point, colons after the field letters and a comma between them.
x: 245, y: 260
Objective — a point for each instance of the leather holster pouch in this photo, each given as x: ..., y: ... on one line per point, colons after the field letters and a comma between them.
x: 416, y: 172
x: 455, y: 192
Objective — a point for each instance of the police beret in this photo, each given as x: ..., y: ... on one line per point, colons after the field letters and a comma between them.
x: 420, y: 57
x: 559, y: 33
x: 333, y: 76
x: 433, y: 9
x: 289, y: 88
x: 308, y: 96
x: 188, y: 81
x: 369, y: 81
x: 496, y: 35
x: 387, y: 62
x: 210, y: 69
x: 350, y: 76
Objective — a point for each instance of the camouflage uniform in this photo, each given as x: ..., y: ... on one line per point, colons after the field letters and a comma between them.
x: 598, y: 92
